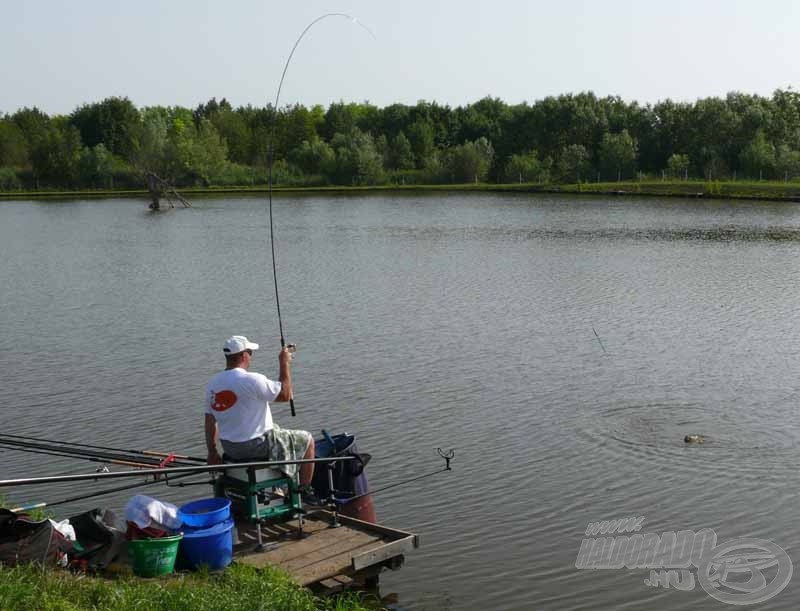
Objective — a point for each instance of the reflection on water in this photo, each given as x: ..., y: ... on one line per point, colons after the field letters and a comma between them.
x: 720, y: 234
x: 463, y: 321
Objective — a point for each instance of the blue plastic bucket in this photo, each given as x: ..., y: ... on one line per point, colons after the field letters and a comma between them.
x: 205, y: 512
x: 212, y: 546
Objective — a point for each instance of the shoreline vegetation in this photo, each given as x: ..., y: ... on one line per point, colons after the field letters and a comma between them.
x: 581, y: 141
x: 240, y: 587
x: 26, y: 587
x: 736, y: 190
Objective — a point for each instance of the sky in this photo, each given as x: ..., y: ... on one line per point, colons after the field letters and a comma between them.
x: 58, y: 55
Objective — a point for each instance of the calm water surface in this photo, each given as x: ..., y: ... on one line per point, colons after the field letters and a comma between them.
x: 455, y: 321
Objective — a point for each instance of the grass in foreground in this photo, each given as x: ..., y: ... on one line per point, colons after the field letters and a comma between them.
x: 239, y: 588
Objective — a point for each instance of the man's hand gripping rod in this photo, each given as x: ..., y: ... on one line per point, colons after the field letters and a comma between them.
x: 292, y: 348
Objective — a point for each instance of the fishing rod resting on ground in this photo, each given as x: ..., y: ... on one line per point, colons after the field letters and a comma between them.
x: 271, y: 150
x: 6, y: 483
x: 104, y: 461
x: 91, y: 495
x: 119, y: 457
x: 99, y: 447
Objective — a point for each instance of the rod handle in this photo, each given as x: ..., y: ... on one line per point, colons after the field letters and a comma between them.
x: 291, y: 405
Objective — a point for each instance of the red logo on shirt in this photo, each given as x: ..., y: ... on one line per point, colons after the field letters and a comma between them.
x: 224, y: 399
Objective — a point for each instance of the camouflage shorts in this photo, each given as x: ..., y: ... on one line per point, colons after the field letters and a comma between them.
x: 277, y: 444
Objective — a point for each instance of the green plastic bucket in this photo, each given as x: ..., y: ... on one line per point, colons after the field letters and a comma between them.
x: 152, y: 557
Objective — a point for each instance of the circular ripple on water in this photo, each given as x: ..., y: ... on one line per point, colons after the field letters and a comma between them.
x: 735, y: 443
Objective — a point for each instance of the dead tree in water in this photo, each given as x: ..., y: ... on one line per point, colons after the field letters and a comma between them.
x: 159, y: 188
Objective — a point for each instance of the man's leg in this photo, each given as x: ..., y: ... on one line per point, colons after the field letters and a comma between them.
x: 307, y: 469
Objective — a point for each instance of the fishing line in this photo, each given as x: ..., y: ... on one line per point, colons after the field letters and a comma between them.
x: 270, y: 158
x: 600, y: 340
x: 446, y: 455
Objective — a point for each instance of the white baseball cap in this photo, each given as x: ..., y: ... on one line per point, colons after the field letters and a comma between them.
x: 237, y: 344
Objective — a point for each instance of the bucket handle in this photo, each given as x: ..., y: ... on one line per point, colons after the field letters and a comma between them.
x: 356, y: 467
x: 329, y: 439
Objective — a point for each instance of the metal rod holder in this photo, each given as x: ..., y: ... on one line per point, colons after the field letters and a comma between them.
x: 332, y: 499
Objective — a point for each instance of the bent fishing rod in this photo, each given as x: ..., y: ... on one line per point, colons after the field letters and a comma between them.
x: 271, y: 150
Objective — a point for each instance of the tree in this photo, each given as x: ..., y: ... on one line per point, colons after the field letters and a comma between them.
x: 713, y: 163
x: 713, y: 126
x: 527, y: 167
x: 369, y: 162
x: 150, y: 154
x: 201, y: 150
x: 56, y: 157
x: 96, y: 165
x: 232, y: 126
x: 339, y: 119
x: 9, y: 180
x: 678, y: 166
x: 787, y: 163
x: 114, y: 122
x: 483, y: 119
x: 470, y: 162
x: 13, y: 148
x: 356, y: 160
x: 421, y: 138
x: 617, y: 155
x: 312, y: 157
x: 785, y: 128
x: 293, y: 125
x: 33, y: 124
x: 394, y: 119
x: 399, y: 155
x: 573, y: 163
x: 757, y: 159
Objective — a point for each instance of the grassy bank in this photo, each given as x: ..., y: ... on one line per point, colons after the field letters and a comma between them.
x: 770, y: 191
x: 759, y: 190
x: 239, y: 588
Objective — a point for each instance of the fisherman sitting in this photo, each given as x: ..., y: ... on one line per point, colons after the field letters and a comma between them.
x: 238, y: 413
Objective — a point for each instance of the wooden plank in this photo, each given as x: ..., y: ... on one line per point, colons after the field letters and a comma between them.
x: 325, y: 553
x: 331, y: 584
x: 245, y: 552
x: 278, y: 531
x: 310, y: 525
x: 320, y: 545
x: 343, y: 579
x: 339, y: 545
x: 291, y: 549
x: 392, y: 533
x: 383, y: 553
x: 326, y: 568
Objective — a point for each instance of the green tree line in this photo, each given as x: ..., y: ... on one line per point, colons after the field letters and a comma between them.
x: 568, y: 138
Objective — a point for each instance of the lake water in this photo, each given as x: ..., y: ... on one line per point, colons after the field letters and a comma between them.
x: 464, y: 321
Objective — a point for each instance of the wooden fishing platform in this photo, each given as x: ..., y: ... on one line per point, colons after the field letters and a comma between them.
x: 326, y: 558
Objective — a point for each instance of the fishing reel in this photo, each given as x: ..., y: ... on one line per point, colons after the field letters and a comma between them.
x: 291, y: 348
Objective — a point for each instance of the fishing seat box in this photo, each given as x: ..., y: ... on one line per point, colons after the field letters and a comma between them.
x: 258, y: 493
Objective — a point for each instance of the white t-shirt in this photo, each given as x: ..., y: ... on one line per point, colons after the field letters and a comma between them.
x: 239, y: 400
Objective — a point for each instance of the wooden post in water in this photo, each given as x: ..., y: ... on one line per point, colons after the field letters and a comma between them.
x: 155, y: 192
